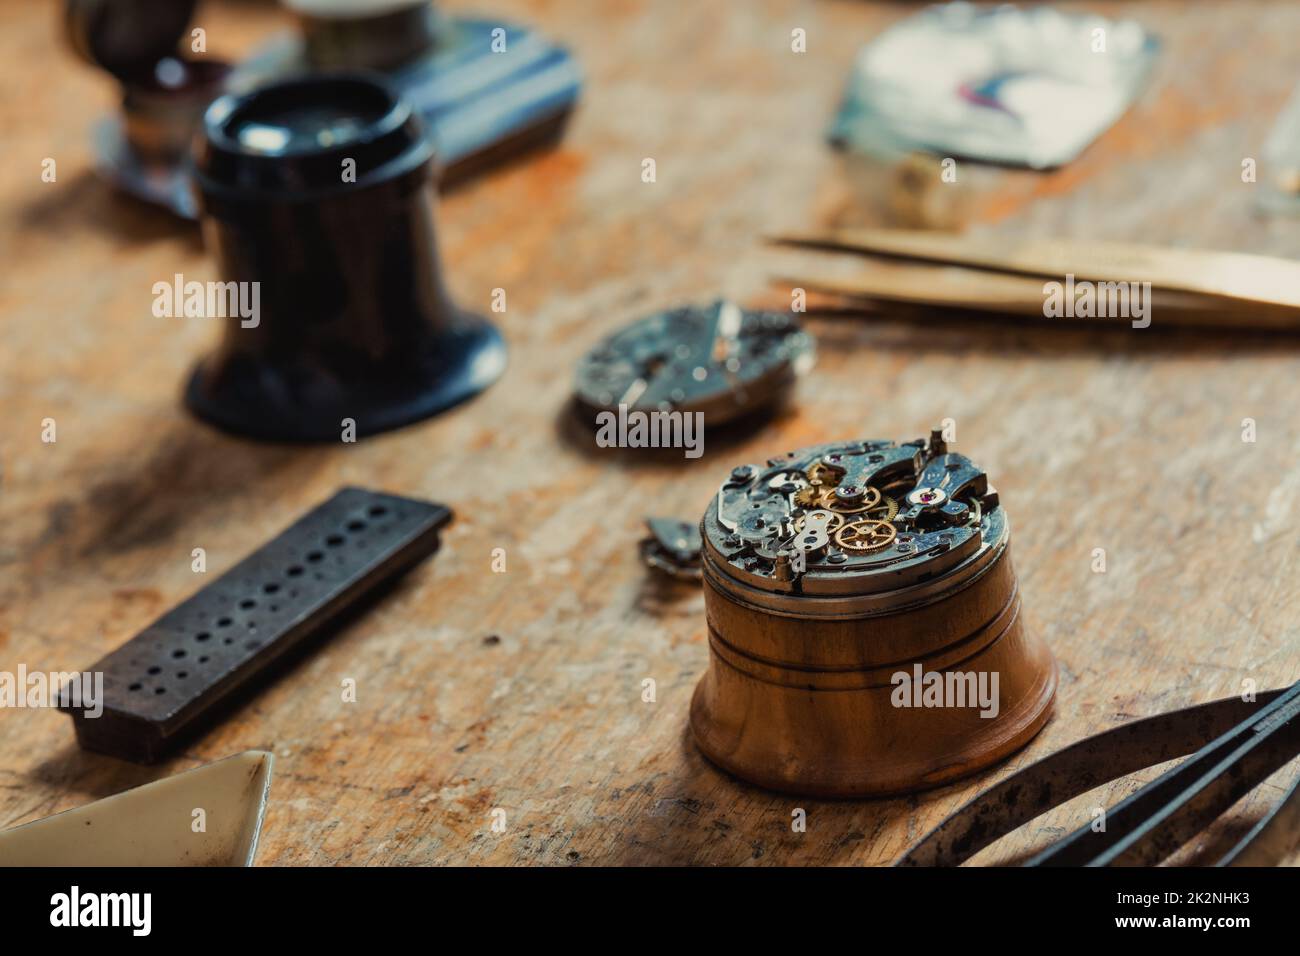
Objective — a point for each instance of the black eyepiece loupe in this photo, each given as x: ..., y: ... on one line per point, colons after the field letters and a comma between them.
x: 315, y: 198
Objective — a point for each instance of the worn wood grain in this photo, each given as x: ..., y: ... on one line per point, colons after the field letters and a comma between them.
x: 522, y: 690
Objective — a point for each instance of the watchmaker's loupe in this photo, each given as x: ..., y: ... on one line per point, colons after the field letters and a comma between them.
x: 315, y: 199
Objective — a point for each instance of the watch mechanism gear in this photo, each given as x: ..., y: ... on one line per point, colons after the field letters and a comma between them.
x: 831, y: 519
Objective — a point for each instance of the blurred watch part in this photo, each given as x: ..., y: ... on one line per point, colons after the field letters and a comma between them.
x: 380, y: 35
x: 719, y: 359
x: 143, y: 150
x: 127, y: 37
x: 673, y: 548
x: 487, y: 89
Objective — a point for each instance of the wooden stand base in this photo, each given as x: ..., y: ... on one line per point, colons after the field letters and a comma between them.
x: 830, y: 706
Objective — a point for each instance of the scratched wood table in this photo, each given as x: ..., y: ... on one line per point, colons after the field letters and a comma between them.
x: 522, y: 691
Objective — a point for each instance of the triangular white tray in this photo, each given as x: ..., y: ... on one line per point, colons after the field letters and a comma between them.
x: 154, y: 825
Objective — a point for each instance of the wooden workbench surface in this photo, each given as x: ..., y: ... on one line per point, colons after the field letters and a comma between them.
x: 523, y: 690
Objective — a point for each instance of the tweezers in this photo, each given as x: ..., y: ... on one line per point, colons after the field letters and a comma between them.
x: 1192, y: 286
x: 1247, y: 741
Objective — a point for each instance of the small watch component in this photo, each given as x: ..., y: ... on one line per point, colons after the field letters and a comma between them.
x: 673, y: 548
x: 720, y: 359
x: 829, y: 572
x: 166, y: 683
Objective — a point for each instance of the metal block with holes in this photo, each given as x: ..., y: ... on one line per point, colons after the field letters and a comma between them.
x: 174, y: 679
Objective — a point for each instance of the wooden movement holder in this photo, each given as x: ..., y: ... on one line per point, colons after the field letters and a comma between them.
x: 797, y: 697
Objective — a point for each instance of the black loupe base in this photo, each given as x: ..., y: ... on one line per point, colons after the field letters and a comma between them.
x: 315, y: 198
x: 290, y: 402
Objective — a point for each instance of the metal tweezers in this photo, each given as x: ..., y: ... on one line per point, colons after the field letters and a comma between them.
x: 1193, y: 287
x: 1248, y: 741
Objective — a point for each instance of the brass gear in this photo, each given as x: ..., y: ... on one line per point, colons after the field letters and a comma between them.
x: 820, y: 494
x: 809, y: 496
x: 871, y: 499
x: 884, y: 511
x: 863, y: 537
x: 819, y: 474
